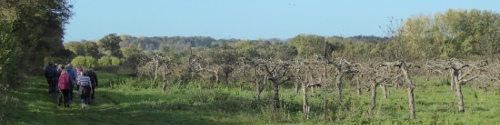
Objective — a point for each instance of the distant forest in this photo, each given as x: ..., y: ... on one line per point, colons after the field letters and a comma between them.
x: 205, y: 42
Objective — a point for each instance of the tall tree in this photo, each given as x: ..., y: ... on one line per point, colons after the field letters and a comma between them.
x: 454, y: 33
x: 110, y: 45
x: 308, y: 45
x: 90, y: 49
x: 30, y: 26
x: 415, y: 33
x: 131, y: 51
x: 76, y: 47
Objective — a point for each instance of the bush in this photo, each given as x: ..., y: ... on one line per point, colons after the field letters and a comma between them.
x: 115, y: 61
x: 85, y: 61
x: 104, y: 61
x: 78, y: 60
x: 90, y: 61
x: 109, y: 61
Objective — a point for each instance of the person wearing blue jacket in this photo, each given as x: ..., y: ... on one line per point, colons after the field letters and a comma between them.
x: 50, y: 74
x: 72, y: 78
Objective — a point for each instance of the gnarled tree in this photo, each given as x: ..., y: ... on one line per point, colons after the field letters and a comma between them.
x: 456, y: 68
x: 277, y: 72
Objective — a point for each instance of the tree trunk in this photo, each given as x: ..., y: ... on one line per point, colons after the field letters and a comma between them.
x: 313, y: 91
x: 257, y: 88
x: 411, y: 102
x: 485, y: 89
x: 452, y: 81
x: 396, y: 86
x: 164, y: 82
x: 276, y: 94
x: 156, y: 69
x: 458, y: 91
x: 427, y: 75
x: 217, y: 78
x: 296, y: 84
x: 339, y: 87
x: 226, y: 76
x: 460, y: 98
x: 384, y: 90
x: 325, y: 101
x: 373, y: 88
x: 324, y: 82
x: 373, y: 101
x: 358, y: 86
x: 260, y: 87
x: 305, y: 104
x: 258, y: 95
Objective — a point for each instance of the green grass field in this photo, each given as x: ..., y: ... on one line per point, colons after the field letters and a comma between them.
x: 120, y: 101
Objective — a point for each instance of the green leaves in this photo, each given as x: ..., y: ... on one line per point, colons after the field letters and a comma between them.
x: 85, y: 61
x: 9, y: 55
x: 454, y: 33
x: 309, y: 45
x: 111, y: 43
x: 109, y: 61
x: 131, y: 51
x: 30, y: 31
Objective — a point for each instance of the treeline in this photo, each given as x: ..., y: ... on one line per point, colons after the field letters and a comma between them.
x: 168, y: 43
x: 121, y: 48
x: 31, y: 33
x: 451, y: 34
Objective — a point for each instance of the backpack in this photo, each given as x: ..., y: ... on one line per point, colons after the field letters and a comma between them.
x: 49, y: 72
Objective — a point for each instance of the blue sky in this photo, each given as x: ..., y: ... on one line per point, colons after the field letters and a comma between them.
x: 249, y: 19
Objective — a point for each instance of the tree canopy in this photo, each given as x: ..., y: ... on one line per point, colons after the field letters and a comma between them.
x: 454, y: 33
x: 30, y: 32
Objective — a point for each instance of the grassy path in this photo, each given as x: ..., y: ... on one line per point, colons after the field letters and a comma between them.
x: 32, y: 105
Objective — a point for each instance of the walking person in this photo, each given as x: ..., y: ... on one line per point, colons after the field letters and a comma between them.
x: 72, y: 78
x: 79, y: 72
x: 93, y: 79
x: 55, y: 80
x: 64, y: 88
x: 50, y: 74
x: 58, y: 69
x: 85, y: 88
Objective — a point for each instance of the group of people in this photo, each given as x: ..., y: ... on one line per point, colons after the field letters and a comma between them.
x: 62, y: 79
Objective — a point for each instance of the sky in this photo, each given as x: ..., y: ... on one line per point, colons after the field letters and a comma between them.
x: 249, y: 19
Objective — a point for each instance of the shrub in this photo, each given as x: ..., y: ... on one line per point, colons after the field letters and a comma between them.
x: 90, y: 61
x: 78, y: 60
x: 115, y: 61
x: 104, y: 61
x: 85, y: 61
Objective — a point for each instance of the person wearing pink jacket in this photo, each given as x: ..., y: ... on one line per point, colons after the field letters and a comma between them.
x: 65, y: 88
